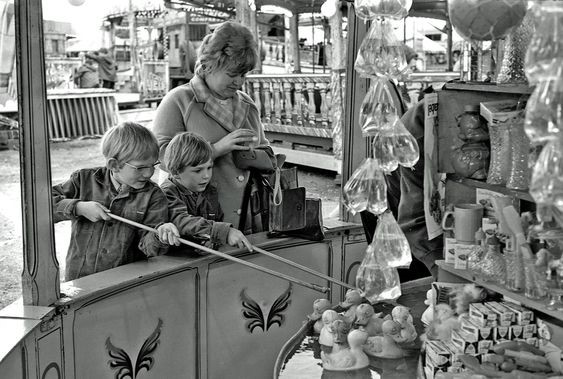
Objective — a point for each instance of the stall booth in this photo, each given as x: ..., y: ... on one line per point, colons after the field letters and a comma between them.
x: 174, y: 316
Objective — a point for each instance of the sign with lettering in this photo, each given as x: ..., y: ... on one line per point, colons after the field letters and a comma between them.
x: 154, y: 79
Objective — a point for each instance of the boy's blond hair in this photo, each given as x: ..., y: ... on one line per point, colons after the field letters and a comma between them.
x: 186, y: 150
x: 129, y: 141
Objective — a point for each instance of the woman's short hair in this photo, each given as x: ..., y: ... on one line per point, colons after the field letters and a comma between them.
x: 231, y: 47
x: 129, y: 141
x: 186, y: 150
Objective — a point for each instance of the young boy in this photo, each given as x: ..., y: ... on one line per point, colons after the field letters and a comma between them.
x: 192, y: 200
x: 123, y: 187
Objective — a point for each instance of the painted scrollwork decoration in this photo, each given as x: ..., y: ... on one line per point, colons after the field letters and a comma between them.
x: 121, y: 361
x: 254, y: 315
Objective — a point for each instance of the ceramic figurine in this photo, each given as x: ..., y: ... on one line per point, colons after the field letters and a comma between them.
x: 325, y: 337
x: 386, y: 346
x: 351, y: 301
x: 402, y: 316
x: 347, y: 352
x: 368, y: 320
x: 428, y: 314
x: 319, y: 306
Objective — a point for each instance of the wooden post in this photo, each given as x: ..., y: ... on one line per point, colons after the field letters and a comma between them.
x: 450, y: 45
x: 256, y: 31
x: 294, y: 31
x: 40, y: 277
x: 355, y: 146
x: 188, y: 72
x: 243, y: 12
x: 133, y: 47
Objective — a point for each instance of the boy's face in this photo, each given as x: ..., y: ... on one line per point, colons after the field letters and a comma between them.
x: 134, y: 173
x: 196, y: 178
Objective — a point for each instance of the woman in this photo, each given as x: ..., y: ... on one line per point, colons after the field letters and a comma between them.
x: 213, y: 106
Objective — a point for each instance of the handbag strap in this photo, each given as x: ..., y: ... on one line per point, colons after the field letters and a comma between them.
x: 277, y: 192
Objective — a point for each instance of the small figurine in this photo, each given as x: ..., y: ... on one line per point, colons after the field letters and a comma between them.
x: 428, y: 314
x: 402, y: 316
x: 386, y: 346
x: 347, y: 352
x: 443, y: 324
x: 368, y: 320
x: 319, y: 306
x: 351, y: 301
x: 325, y: 337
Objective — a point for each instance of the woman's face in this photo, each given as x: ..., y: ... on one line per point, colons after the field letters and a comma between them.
x: 223, y: 84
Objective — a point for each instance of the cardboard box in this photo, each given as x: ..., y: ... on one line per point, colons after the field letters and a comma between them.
x: 482, y: 315
x: 505, y: 316
x: 502, y: 112
x: 524, y: 316
x: 501, y: 333
x: 479, y: 332
x: 464, y: 342
x: 449, y: 250
x: 438, y: 353
x: 517, y: 331
x: 529, y: 331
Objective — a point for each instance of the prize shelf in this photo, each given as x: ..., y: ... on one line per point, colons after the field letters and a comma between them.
x: 519, y: 297
x: 522, y: 195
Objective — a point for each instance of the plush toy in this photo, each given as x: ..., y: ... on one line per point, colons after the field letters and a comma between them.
x: 444, y: 322
x: 462, y: 296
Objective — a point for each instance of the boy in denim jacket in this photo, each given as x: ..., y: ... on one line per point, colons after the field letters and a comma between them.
x: 123, y: 187
x: 193, y: 202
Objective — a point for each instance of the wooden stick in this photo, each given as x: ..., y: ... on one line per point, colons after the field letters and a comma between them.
x: 228, y: 257
x: 304, y: 268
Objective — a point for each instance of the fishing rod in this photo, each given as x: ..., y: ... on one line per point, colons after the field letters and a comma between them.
x: 312, y: 286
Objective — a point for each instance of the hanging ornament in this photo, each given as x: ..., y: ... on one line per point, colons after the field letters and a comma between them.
x: 390, y: 244
x: 516, y: 45
x: 485, y: 20
x: 383, y: 152
x: 405, y: 147
x: 366, y: 189
x: 377, y: 283
x: 370, y: 9
x: 380, y: 53
x: 545, y: 51
x: 544, y: 109
x: 378, y: 110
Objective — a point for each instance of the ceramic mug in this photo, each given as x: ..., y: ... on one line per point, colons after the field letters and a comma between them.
x: 467, y: 220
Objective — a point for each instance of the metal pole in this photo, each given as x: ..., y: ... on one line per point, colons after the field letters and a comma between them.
x: 228, y: 257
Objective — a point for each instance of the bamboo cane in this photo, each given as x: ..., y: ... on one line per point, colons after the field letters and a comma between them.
x: 301, y: 267
x: 228, y: 257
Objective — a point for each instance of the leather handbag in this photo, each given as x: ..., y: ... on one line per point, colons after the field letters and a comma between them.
x: 253, y: 159
x: 290, y: 214
x: 313, y: 229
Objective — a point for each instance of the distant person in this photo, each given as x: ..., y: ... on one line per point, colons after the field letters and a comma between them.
x: 107, y: 69
x: 193, y: 201
x: 456, y: 59
x: 86, y: 76
x: 124, y: 188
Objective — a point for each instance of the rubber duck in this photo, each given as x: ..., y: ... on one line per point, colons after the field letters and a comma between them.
x: 325, y: 337
x: 319, y: 306
x: 368, y: 320
x: 386, y: 346
x: 402, y: 315
x: 428, y: 314
x: 352, y: 299
x: 350, y: 356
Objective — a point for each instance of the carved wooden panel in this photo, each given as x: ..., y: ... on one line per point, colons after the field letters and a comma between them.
x: 146, y: 331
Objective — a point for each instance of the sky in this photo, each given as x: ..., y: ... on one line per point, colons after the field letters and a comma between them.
x: 87, y: 18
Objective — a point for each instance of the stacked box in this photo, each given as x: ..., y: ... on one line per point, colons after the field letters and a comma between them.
x: 482, y: 315
x: 438, y: 353
x: 465, y: 342
x: 523, y: 315
x: 505, y: 316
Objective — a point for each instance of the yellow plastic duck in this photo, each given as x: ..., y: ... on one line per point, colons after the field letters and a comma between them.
x: 351, y: 301
x: 386, y: 346
x: 325, y: 337
x: 368, y: 320
x: 347, y: 352
x: 402, y: 315
x: 319, y: 306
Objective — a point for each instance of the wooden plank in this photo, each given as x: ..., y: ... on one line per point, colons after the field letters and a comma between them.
x: 490, y: 87
x: 522, y: 195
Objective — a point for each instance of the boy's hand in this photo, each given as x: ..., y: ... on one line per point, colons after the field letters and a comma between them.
x: 168, y: 233
x: 237, y: 140
x: 237, y: 239
x: 92, y: 210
